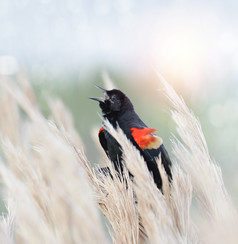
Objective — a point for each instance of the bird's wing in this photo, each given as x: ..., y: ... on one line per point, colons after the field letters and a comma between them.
x: 112, y: 149
x: 145, y: 138
x: 102, y: 139
x: 151, y: 147
x: 165, y: 160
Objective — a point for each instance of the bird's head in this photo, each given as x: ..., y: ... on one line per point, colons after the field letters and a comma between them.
x: 114, y: 102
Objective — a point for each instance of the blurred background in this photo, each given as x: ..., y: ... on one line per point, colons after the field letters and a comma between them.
x: 66, y: 46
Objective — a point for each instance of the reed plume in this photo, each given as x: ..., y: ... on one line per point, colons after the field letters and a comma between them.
x: 53, y: 194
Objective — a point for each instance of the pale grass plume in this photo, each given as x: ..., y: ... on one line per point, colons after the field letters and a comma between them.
x: 108, y: 83
x: 117, y: 202
x: 162, y: 220
x: 47, y: 180
x: 54, y: 194
x: 10, y: 124
x: 115, y: 198
x: 63, y: 119
x: 220, y: 220
x: 7, y: 224
x: 24, y: 83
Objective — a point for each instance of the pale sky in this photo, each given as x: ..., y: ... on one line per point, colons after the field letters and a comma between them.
x: 190, y: 40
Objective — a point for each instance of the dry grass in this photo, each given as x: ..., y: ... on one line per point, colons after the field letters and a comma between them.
x: 53, y: 195
x: 220, y: 222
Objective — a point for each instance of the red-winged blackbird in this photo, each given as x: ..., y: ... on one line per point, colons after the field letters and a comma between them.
x: 118, y: 109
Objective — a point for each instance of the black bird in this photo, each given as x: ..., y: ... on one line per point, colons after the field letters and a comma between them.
x: 118, y: 109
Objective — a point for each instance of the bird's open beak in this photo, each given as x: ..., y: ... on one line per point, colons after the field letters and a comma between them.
x: 100, y: 99
x: 100, y: 88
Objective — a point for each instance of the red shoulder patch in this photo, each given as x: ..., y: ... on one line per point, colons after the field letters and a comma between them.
x: 145, y: 138
x: 101, y: 129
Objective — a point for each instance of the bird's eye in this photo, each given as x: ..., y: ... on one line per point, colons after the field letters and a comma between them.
x: 113, y: 98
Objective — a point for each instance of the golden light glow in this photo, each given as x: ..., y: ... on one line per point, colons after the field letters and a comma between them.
x: 183, y: 50
x: 180, y: 55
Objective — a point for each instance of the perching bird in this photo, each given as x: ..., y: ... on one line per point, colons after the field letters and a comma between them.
x: 118, y: 109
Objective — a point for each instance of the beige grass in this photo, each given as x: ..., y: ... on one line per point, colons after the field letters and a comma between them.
x: 220, y: 222
x: 47, y: 181
x: 53, y: 194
